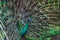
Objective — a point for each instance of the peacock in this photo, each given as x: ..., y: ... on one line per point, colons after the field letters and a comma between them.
x: 31, y: 19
